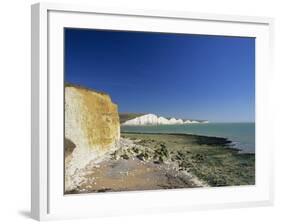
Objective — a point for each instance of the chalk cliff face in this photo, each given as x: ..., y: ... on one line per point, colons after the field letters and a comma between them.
x: 92, y: 129
x: 152, y: 119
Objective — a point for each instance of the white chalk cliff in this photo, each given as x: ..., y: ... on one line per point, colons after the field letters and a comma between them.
x: 152, y: 119
x: 92, y: 129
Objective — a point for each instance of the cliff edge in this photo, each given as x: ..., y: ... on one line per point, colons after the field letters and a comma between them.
x: 92, y: 129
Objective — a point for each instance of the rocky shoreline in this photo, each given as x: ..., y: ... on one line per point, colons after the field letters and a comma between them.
x: 167, y: 161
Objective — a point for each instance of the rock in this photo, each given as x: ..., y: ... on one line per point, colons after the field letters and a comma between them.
x: 144, y: 156
x: 91, y: 124
x: 125, y: 156
x: 69, y: 146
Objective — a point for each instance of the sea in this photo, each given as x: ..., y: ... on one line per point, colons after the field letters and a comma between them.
x: 242, y: 135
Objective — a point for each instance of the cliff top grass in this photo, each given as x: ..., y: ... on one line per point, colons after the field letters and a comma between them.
x: 128, y: 116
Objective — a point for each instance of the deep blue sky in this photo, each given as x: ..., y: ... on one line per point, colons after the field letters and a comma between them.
x: 179, y: 75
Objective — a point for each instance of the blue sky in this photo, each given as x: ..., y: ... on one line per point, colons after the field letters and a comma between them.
x: 179, y: 75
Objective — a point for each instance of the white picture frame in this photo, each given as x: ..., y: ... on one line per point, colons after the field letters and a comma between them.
x: 48, y: 201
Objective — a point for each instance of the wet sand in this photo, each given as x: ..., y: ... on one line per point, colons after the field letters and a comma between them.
x: 132, y: 174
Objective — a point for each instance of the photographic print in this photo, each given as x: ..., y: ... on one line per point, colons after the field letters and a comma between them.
x: 154, y: 111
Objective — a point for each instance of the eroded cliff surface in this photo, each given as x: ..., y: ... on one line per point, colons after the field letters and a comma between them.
x: 92, y: 129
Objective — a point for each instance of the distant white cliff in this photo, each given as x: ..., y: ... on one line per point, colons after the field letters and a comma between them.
x: 152, y: 119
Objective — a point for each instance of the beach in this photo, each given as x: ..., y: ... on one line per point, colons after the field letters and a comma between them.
x: 163, y: 113
x: 154, y: 161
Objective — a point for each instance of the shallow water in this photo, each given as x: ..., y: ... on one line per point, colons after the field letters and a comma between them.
x: 242, y: 135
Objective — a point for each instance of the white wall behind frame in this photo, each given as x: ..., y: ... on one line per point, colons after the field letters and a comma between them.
x: 15, y: 110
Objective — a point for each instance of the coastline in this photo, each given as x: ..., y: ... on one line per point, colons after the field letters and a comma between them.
x: 151, y: 161
x: 241, y: 134
x: 212, y: 159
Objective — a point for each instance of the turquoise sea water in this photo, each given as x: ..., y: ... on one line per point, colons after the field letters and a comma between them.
x: 242, y: 135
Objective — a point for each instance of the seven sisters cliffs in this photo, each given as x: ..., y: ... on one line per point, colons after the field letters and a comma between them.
x: 152, y: 119
x: 107, y: 151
